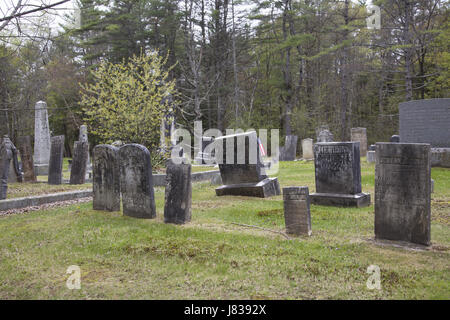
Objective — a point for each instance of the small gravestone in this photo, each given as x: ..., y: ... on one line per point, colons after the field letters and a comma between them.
x: 297, y: 215
x: 7, y: 150
x: 241, y: 167
x: 360, y: 134
x: 79, y: 162
x: 338, y: 175
x: 14, y: 172
x: 42, y: 140
x: 178, y: 195
x: 289, y: 150
x: 402, y: 192
x: 26, y: 155
x: 56, y: 160
x: 325, y: 136
x: 395, y: 138
x: 371, y: 154
x: 106, y: 178
x: 136, y: 181
x: 307, y: 149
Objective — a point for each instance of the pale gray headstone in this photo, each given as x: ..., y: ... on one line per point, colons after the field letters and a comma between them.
x: 41, y: 138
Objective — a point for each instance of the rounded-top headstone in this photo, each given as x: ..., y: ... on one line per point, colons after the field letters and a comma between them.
x: 395, y: 138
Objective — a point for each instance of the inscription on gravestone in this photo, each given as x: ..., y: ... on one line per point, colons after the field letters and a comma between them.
x: 56, y: 160
x: 178, y: 193
x: 136, y: 182
x: 106, y: 178
x: 297, y: 215
x: 402, y: 192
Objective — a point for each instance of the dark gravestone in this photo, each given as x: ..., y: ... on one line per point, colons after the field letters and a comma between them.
x: 136, y: 182
x: 402, y: 192
x: 289, y: 150
x: 297, y: 215
x: 425, y: 121
x: 178, y: 196
x: 338, y: 175
x: 106, y: 178
x: 202, y: 156
x: 241, y: 167
x: 395, y: 138
x: 26, y: 155
x: 79, y: 162
x: 56, y: 160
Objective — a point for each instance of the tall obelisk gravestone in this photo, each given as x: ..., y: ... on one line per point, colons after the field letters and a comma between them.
x: 41, y: 139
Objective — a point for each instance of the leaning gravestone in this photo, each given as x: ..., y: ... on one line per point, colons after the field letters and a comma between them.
x: 26, y: 155
x: 241, y: 167
x: 297, y: 215
x: 41, y: 139
x: 136, y: 181
x: 307, y: 149
x: 178, y: 194
x: 106, y: 178
x: 402, y: 192
x: 338, y: 175
x: 325, y: 136
x: 56, y: 160
x: 289, y: 150
x: 360, y: 134
x: 79, y: 162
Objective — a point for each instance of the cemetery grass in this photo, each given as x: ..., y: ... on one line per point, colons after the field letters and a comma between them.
x: 214, y: 258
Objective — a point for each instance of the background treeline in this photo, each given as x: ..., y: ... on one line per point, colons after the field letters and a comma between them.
x: 290, y: 64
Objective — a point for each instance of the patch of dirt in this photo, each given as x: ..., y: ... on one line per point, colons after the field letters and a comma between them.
x: 45, y: 206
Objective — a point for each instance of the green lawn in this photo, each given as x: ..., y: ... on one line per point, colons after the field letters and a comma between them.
x: 212, y: 258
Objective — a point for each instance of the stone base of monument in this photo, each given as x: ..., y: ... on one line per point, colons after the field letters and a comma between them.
x: 341, y: 200
x: 41, y: 169
x: 266, y: 188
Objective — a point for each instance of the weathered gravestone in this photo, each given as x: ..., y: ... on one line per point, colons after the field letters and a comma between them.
x: 297, y: 215
x: 26, y: 155
x: 202, y: 156
x: 178, y: 193
x: 395, y: 138
x: 83, y: 137
x: 307, y: 149
x: 79, y: 162
x: 338, y: 175
x: 325, y: 136
x: 41, y: 139
x: 106, y: 178
x: 360, y: 134
x: 8, y: 155
x: 402, y: 192
x: 289, y: 150
x: 241, y: 167
x: 14, y: 172
x: 371, y: 154
x: 56, y: 160
x: 136, y: 182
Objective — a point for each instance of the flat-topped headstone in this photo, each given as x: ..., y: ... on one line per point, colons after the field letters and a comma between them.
x: 42, y: 141
x: 402, y: 192
x: 26, y: 155
x: 56, y: 160
x: 440, y: 157
x: 370, y: 156
x: 307, y: 149
x: 106, y: 178
x: 338, y: 175
x: 395, y: 138
x: 325, y: 136
x: 360, y: 135
x: 297, y: 214
x: 136, y: 182
x: 241, y: 167
x: 83, y: 137
x: 178, y: 193
x: 79, y: 162
x: 289, y: 150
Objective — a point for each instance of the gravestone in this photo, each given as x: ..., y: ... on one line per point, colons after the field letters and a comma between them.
x: 402, y: 192
x: 136, y: 181
x: 440, y: 157
x: 178, y: 193
x: 56, y: 160
x: 203, y: 157
x: 395, y: 138
x: 26, y: 155
x: 371, y: 154
x: 360, y: 134
x: 289, y: 150
x: 14, y: 172
x: 7, y: 155
x: 41, y: 139
x: 241, y: 167
x: 79, y: 162
x: 297, y: 215
x: 106, y: 178
x: 83, y: 137
x: 325, y: 136
x: 307, y: 149
x: 338, y: 175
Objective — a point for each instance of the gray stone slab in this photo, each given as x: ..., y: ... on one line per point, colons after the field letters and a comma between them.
x: 79, y: 162
x: 56, y: 160
x: 402, y: 192
x: 425, y: 121
x: 358, y: 200
x: 307, y: 149
x: 42, y: 141
x: 297, y: 215
x: 178, y: 193
x: 106, y: 178
x: 26, y: 155
x: 370, y: 158
x: 289, y: 150
x: 440, y: 157
x: 136, y: 181
x: 263, y: 189
x: 360, y: 135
